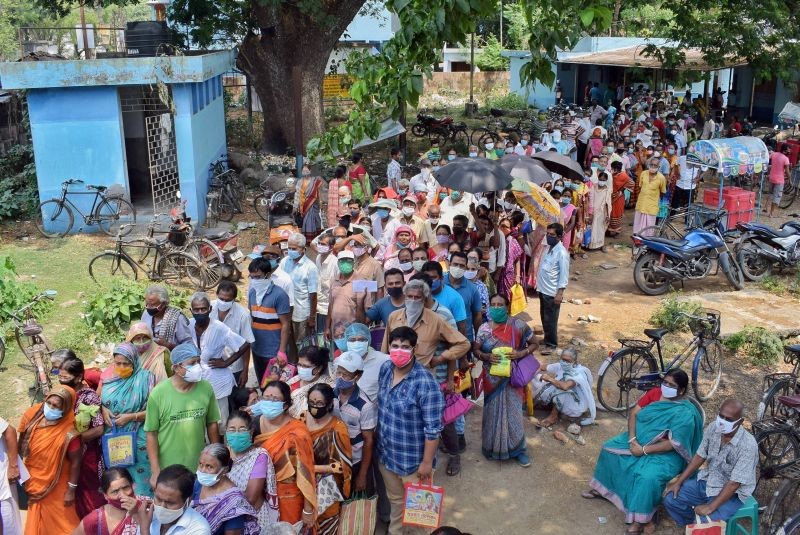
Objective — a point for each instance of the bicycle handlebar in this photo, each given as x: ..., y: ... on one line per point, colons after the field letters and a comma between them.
x: 73, y: 181
x: 47, y: 294
x: 690, y: 316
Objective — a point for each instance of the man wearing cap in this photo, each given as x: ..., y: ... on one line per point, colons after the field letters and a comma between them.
x: 273, y: 255
x: 180, y: 413
x: 424, y: 181
x: 271, y: 313
x: 409, y: 218
x: 382, y: 214
x: 360, y: 415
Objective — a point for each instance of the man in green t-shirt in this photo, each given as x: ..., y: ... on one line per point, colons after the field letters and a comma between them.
x: 180, y: 412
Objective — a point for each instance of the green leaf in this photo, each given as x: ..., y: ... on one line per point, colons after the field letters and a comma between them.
x: 462, y: 6
x: 399, y: 5
x: 417, y: 83
x: 587, y: 16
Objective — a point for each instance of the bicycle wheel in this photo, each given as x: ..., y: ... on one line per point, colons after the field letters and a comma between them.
x: 175, y: 266
x: 484, y: 136
x: 111, y: 264
x: 54, y: 218
x: 707, y: 370
x: 778, y: 449
x: 769, y: 406
x: 2, y: 350
x: 785, y: 502
x: 791, y: 526
x: 225, y: 207
x: 789, y: 191
x: 461, y: 139
x: 233, y: 198
x: 113, y: 213
x: 208, y: 252
x: 261, y: 206
x: 616, y: 388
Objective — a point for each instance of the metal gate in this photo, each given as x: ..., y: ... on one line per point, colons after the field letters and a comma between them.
x: 163, y: 160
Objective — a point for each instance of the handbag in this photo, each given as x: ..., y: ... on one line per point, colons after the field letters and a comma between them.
x: 523, y: 370
x: 462, y: 379
x: 587, y: 237
x: 327, y: 493
x: 502, y: 368
x: 709, y: 527
x: 358, y: 515
x: 455, y: 405
x: 518, y: 301
x: 119, y: 448
x: 422, y: 505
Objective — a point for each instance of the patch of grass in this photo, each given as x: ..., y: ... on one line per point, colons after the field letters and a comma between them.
x: 759, y: 345
x: 773, y: 284
x: 670, y: 314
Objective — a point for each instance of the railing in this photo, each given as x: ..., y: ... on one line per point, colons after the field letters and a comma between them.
x: 68, y: 42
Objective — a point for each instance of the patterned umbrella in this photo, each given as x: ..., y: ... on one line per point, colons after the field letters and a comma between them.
x: 526, y: 168
x: 535, y: 200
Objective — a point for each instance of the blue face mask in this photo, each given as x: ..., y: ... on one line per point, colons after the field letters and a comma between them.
x: 358, y: 347
x: 294, y: 255
x: 341, y: 344
x: 273, y: 263
x: 435, y: 285
x: 52, y: 414
x: 383, y: 213
x: 567, y: 367
x: 207, y: 480
x: 239, y: 441
x: 342, y: 384
x: 270, y: 409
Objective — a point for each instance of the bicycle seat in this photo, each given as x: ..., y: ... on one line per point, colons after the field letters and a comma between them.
x: 97, y: 188
x: 790, y: 401
x: 793, y: 349
x: 655, y: 334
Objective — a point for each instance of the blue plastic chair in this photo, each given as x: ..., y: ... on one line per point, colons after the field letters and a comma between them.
x: 748, y: 510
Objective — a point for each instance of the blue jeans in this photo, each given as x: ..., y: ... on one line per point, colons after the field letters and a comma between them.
x: 461, y: 424
x: 693, y: 493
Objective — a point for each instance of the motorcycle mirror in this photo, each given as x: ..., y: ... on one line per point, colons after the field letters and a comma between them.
x: 775, y: 127
x: 178, y: 194
x: 50, y: 293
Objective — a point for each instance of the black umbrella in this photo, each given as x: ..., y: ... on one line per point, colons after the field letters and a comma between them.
x: 560, y: 164
x: 474, y: 175
x: 526, y: 168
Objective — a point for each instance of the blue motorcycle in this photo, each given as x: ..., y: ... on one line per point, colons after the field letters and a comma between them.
x: 660, y: 262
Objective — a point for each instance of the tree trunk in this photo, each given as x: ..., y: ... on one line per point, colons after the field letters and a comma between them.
x: 290, y: 38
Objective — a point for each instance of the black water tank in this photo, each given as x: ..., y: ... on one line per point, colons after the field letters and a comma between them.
x: 147, y: 38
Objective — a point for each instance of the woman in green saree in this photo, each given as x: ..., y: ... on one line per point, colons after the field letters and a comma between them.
x: 634, y: 467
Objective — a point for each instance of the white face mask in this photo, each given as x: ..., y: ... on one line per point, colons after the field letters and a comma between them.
x: 224, y: 306
x: 470, y: 275
x: 556, y: 136
x: 524, y: 142
x: 193, y: 373
x: 473, y: 154
x: 426, y: 172
x: 724, y: 426
x: 408, y: 211
x: 304, y: 373
x: 668, y: 392
x: 167, y: 516
x: 489, y: 146
x: 323, y: 249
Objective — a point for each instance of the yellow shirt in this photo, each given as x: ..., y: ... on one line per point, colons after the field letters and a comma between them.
x: 649, y: 193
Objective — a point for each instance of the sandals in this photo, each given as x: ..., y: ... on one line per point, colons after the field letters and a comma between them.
x: 590, y: 494
x: 454, y: 465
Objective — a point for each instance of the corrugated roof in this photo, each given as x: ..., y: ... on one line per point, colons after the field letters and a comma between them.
x: 634, y: 56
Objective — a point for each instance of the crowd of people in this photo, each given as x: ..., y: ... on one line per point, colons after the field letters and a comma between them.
x: 329, y: 378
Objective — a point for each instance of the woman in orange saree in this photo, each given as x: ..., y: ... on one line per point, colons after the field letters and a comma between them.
x: 50, y: 446
x: 289, y: 445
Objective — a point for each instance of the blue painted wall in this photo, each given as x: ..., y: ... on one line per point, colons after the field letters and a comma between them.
x: 77, y: 133
x: 538, y: 94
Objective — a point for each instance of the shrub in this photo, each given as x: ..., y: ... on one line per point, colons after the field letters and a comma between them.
x: 670, y: 314
x: 19, y: 192
x: 15, y: 295
x: 509, y: 101
x: 490, y: 57
x: 761, y: 346
x: 111, y: 310
x: 240, y: 134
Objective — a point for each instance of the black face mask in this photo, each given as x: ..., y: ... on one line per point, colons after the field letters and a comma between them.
x: 201, y: 319
x: 66, y: 383
x: 153, y: 311
x: 395, y: 292
x: 319, y: 412
x: 552, y: 241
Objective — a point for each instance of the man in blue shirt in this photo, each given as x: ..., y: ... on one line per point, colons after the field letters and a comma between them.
x: 393, y: 281
x: 551, y: 281
x: 410, y: 421
x: 445, y: 295
x: 467, y: 290
x: 271, y: 315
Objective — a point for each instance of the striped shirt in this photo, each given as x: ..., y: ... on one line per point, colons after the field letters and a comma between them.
x: 266, y: 320
x: 359, y: 414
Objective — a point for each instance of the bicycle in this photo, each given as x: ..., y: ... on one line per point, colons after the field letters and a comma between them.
x: 34, y: 345
x: 221, y: 203
x: 109, y: 214
x: 168, y: 265
x: 220, y: 170
x: 791, y: 526
x: 637, y: 371
x: 790, y: 189
x: 780, y: 384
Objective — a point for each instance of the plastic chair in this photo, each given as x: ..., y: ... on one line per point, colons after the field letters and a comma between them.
x: 748, y: 510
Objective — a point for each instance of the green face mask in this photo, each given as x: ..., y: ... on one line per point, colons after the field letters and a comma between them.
x: 498, y: 314
x: 239, y: 441
x: 346, y: 267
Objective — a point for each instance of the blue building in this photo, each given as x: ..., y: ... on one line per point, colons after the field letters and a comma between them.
x: 151, y: 125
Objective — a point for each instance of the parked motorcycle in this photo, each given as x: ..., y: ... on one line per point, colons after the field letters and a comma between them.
x: 760, y: 247
x: 661, y: 262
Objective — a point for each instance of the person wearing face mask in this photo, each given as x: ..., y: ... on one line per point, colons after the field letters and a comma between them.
x: 457, y: 203
x: 344, y: 301
x: 600, y: 212
x: 118, y: 516
x: 153, y: 357
x: 635, y: 466
x: 312, y: 369
x: 167, y: 323
x: 288, y: 443
x: 473, y: 151
x: 393, y: 300
x: 503, y: 428
x: 332, y: 452
x: 305, y: 284
x: 169, y: 512
x: 405, y: 239
x: 551, y: 282
x: 394, y: 171
x: 456, y: 279
x: 489, y: 152
x: 224, y: 506
x: 408, y: 218
x: 357, y: 216
x: 89, y: 423
x: 410, y: 420
x: 479, y: 276
x: 225, y: 309
x: 446, y: 295
x: 270, y: 311
x: 50, y: 448
x: 124, y: 401
x: 306, y: 202
x: 252, y: 471
x: 381, y: 217
x: 216, y: 340
x: 524, y: 147
x: 360, y: 415
x: 621, y: 183
x: 729, y: 457
x: 338, y: 181
x: 171, y: 437
x: 565, y: 387
x: 358, y: 338
x: 652, y: 185
x: 424, y: 181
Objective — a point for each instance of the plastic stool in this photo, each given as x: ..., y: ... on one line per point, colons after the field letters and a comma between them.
x: 748, y: 510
